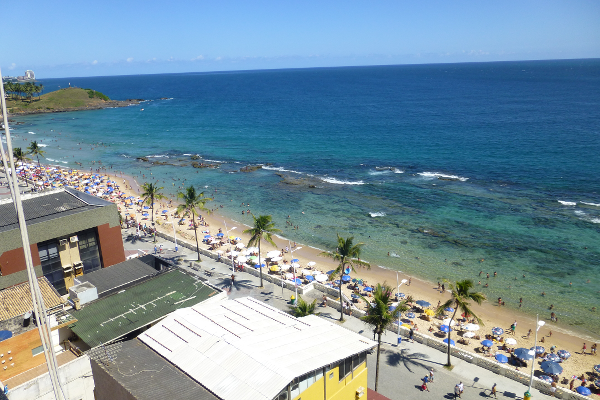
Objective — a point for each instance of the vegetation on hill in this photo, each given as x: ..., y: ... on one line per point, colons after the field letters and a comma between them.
x: 67, y: 99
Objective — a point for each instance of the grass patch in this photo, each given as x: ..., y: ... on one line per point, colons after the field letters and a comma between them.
x: 449, y: 367
x: 63, y: 99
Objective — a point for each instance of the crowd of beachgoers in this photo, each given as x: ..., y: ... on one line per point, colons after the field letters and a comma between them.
x: 561, y: 357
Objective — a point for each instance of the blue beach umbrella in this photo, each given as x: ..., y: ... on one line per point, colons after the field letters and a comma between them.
x: 347, y: 271
x: 445, y: 328
x: 451, y: 341
x: 329, y: 272
x: 551, y: 368
x: 146, y: 207
x: 400, y: 295
x: 346, y: 278
x: 546, y: 378
x: 165, y: 211
x: 539, y: 349
x: 298, y: 281
x: 295, y: 260
x: 423, y: 303
x: 337, y: 281
x: 368, y: 289
x: 597, y: 368
x: 311, y: 278
x: 391, y: 308
x: 411, y: 315
x: 524, y: 354
x: 582, y: 390
x: 554, y: 358
x: 564, y: 354
x: 487, y: 343
x: 501, y: 358
x: 207, y: 237
x: 355, y: 296
x: 497, y: 331
x: 220, y: 234
x: 597, y: 383
x: 449, y: 309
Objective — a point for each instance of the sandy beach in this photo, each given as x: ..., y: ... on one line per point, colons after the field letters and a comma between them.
x: 490, y: 312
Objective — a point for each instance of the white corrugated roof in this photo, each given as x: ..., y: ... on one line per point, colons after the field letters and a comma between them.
x: 245, y: 349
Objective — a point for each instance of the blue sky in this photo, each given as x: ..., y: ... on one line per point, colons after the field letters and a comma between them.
x: 93, y: 38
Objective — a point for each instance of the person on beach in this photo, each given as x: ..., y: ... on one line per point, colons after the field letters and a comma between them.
x: 584, y: 349
x: 431, y: 375
x: 528, y: 334
x: 593, y: 349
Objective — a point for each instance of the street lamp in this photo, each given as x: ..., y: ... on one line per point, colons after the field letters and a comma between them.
x: 292, y: 253
x: 398, y: 291
x: 174, y: 235
x: 539, y: 323
x: 230, y: 253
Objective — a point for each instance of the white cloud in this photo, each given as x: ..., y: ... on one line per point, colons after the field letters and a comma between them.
x: 151, y: 60
x: 130, y: 59
x: 200, y: 57
x: 171, y: 59
x: 218, y: 58
x: 12, y: 66
x: 94, y: 62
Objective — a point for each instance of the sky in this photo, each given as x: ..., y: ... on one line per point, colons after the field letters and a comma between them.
x: 98, y: 38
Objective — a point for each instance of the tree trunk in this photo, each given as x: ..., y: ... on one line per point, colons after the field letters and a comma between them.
x: 377, y: 364
x: 153, y: 227
x: 341, y: 299
x: 450, y: 326
x: 196, y: 234
x: 260, y: 265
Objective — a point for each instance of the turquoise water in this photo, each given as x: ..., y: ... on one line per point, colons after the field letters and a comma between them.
x: 361, y: 151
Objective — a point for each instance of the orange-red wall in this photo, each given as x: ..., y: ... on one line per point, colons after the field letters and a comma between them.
x: 14, y: 260
x: 111, y: 245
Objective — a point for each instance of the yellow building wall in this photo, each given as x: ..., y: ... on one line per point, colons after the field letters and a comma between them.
x: 314, y: 391
x: 344, y: 389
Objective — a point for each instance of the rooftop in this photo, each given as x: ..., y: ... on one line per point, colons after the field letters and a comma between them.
x: 112, y: 317
x: 134, y: 366
x: 45, y: 206
x: 126, y: 273
x: 16, y: 300
x: 245, y: 349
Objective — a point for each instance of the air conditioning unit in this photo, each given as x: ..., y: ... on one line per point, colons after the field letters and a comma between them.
x: 63, y: 242
x: 78, y: 264
x: 360, y: 392
x: 74, y: 239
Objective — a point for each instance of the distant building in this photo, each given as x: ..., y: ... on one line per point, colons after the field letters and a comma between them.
x: 71, y: 234
x: 29, y: 76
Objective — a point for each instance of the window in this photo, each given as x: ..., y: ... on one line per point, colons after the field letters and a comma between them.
x: 37, y: 350
x: 358, y: 359
x: 283, y: 395
x: 88, y: 250
x: 51, y: 265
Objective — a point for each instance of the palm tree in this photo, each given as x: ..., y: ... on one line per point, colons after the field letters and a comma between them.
x: 460, y: 293
x: 20, y: 156
x: 193, y: 203
x: 151, y: 193
x: 302, y: 308
x: 348, y: 255
x: 263, y: 228
x: 380, y: 317
x: 35, y: 149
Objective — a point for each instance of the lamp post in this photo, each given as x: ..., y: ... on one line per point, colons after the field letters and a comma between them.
x: 398, y: 291
x: 230, y: 253
x: 295, y: 284
x: 539, y: 324
x: 174, y: 234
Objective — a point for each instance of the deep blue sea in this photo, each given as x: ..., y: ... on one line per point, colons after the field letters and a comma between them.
x: 442, y: 166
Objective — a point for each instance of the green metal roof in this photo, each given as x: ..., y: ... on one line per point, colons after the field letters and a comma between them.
x: 110, y: 318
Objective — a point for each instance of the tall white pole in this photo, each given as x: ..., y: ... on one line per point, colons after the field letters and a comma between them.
x: 538, y: 325
x: 39, y: 308
x: 174, y: 234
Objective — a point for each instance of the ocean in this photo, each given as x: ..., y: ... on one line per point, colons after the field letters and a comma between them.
x: 451, y: 169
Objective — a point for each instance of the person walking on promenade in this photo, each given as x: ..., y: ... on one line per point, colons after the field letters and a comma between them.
x: 431, y: 375
x: 493, y: 391
x: 456, y: 392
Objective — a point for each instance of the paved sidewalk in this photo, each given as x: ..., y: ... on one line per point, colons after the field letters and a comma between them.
x: 401, y: 366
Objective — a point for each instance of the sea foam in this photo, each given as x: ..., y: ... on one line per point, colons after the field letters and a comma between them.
x: 280, y: 169
x: 591, y: 204
x: 438, y: 175
x: 339, y: 182
x: 567, y: 203
x: 377, y: 214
